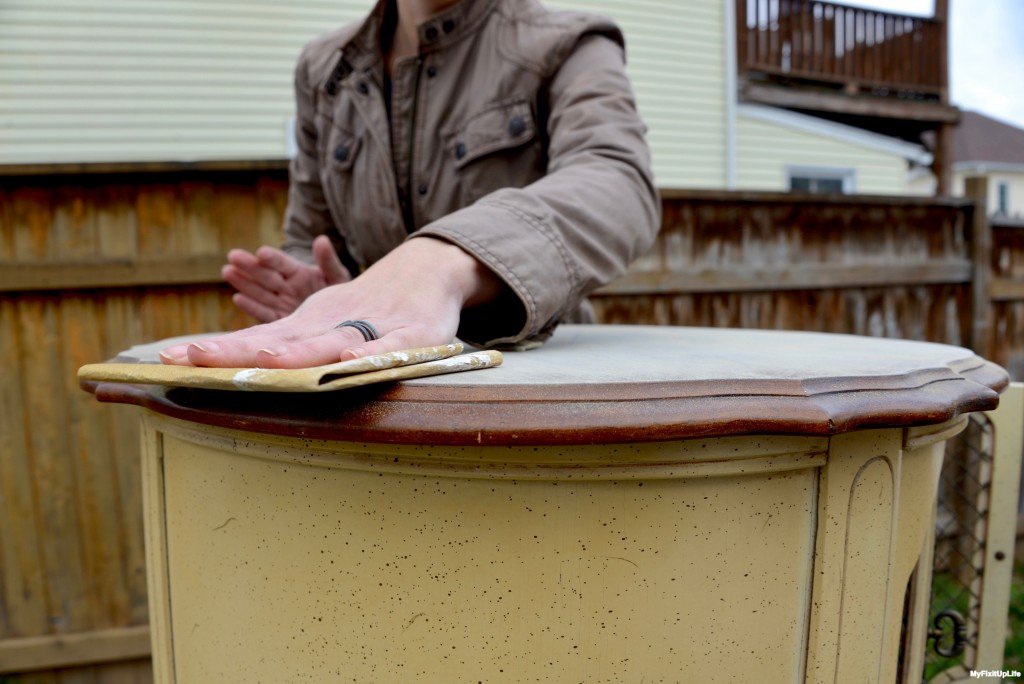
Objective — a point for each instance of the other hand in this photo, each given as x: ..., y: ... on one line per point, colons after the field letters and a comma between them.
x: 272, y: 284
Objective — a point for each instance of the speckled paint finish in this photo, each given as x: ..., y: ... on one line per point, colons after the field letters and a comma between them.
x: 767, y: 558
x: 310, y: 561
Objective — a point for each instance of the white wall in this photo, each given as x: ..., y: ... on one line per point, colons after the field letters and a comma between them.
x: 765, y: 149
x: 171, y: 80
x: 99, y: 80
x: 675, y: 55
x: 106, y: 80
x: 925, y: 184
x: 1015, y: 181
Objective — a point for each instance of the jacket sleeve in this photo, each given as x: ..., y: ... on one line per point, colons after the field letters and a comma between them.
x: 597, y: 208
x: 307, y: 215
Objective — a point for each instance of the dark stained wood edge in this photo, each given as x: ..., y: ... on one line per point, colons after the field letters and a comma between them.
x: 840, y: 103
x: 539, y: 415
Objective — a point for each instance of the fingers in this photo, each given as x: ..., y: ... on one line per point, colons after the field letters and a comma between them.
x: 330, y: 264
x: 275, y: 259
x: 175, y: 356
x: 259, y: 311
x: 273, y: 351
x: 272, y: 348
x: 282, y: 303
x: 240, y: 261
x: 396, y: 341
x: 337, y: 344
x: 178, y: 354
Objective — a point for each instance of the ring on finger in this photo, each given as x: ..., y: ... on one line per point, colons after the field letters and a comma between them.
x: 367, y: 330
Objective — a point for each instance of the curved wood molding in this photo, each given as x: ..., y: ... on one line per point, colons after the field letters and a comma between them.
x: 478, y: 412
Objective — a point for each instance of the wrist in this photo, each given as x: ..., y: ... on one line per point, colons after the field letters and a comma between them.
x: 455, y: 271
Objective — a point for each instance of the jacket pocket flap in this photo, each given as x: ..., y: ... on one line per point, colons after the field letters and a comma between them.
x: 499, y: 127
x: 342, y: 148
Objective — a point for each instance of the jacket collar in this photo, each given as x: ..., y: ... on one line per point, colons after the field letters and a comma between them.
x: 445, y: 28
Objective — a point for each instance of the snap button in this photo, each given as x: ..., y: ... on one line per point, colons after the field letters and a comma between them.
x: 341, y: 153
x: 363, y: 88
x: 422, y: 189
x: 431, y: 71
x: 460, y: 150
x: 516, y: 125
x: 431, y: 33
x: 448, y: 25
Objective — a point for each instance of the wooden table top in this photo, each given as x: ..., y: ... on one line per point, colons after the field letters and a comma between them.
x: 605, y: 384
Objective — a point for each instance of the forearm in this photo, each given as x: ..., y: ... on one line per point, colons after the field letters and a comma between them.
x: 438, y: 266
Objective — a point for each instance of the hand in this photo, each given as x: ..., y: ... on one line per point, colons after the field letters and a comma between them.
x: 272, y: 284
x: 414, y: 297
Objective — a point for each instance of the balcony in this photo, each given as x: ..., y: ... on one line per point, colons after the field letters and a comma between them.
x: 825, y: 56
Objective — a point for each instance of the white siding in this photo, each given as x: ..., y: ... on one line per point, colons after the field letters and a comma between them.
x: 170, y: 80
x: 1014, y: 181
x: 764, y: 150
x: 1015, y: 196
x: 113, y: 80
x: 675, y: 55
x: 121, y: 80
x: 919, y: 183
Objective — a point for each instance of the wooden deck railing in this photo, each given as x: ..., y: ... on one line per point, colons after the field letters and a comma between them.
x: 843, y: 47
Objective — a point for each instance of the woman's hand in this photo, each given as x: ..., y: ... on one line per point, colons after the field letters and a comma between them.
x: 272, y: 284
x: 414, y: 297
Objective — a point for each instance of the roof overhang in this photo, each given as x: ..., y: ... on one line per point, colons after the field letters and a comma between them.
x: 836, y: 131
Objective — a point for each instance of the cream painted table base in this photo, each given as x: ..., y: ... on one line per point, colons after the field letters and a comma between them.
x: 741, y: 557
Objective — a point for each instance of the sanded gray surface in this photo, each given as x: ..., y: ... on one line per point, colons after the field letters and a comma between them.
x: 597, y: 354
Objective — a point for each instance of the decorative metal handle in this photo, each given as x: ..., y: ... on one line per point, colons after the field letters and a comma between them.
x: 948, y: 623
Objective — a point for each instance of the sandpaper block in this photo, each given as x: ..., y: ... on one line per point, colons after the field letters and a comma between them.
x: 398, y: 365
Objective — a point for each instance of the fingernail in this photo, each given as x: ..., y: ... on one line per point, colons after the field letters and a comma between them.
x: 206, y: 347
x: 354, y: 352
x: 271, y: 352
x: 173, y: 358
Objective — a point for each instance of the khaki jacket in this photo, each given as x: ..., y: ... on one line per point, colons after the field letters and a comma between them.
x: 514, y: 134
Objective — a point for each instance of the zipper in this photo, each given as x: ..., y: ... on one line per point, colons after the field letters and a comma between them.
x: 410, y: 192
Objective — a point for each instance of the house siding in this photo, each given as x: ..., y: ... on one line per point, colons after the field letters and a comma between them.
x: 183, y: 80
x: 764, y: 150
x: 168, y: 80
x: 1015, y: 185
x: 1015, y: 194
x: 113, y: 80
x: 675, y: 56
x: 925, y: 185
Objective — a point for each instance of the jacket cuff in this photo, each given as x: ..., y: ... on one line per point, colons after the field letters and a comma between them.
x: 543, y: 278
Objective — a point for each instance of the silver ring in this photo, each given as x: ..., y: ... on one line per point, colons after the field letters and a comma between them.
x: 368, y: 331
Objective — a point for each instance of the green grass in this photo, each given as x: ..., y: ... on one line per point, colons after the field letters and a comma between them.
x: 944, y: 586
x: 1014, y: 653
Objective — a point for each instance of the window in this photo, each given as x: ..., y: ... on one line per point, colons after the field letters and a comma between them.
x: 1003, y: 203
x: 821, y: 180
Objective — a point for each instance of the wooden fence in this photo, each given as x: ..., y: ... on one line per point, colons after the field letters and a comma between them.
x: 93, y: 261
x: 1006, y: 289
